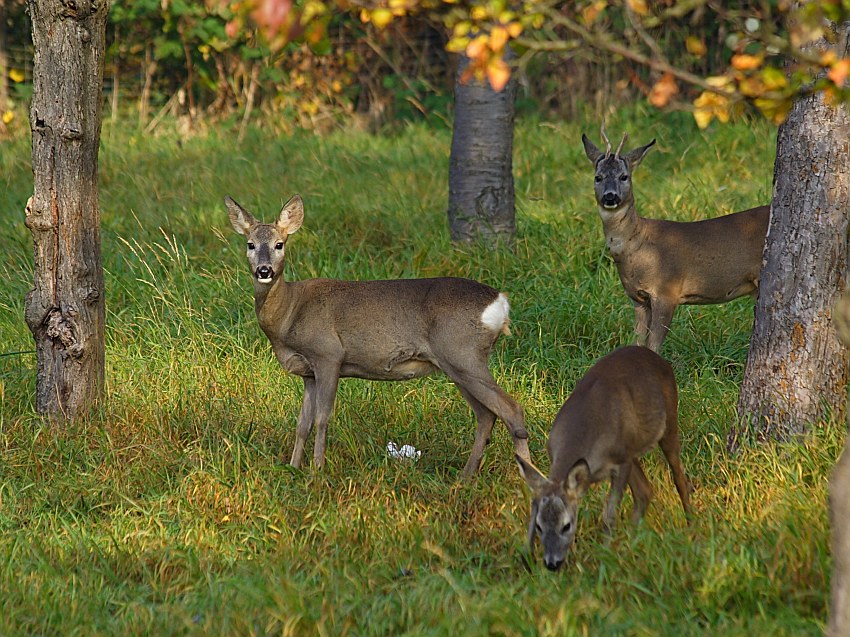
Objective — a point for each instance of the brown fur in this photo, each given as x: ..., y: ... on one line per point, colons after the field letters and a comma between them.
x: 624, y: 405
x: 664, y: 264
x: 325, y: 329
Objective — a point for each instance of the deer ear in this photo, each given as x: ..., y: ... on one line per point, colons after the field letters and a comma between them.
x: 291, y: 216
x: 634, y: 157
x: 240, y: 219
x: 578, y: 479
x: 531, y: 474
x: 592, y: 152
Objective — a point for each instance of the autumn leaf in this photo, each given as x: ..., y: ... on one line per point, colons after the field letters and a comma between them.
x: 498, y: 38
x: 839, y: 72
x: 381, y: 17
x: 710, y: 105
x: 695, y: 46
x: 16, y: 75
x: 498, y: 73
x: 638, y: 6
x: 663, y: 91
x: 477, y: 47
x: 745, y: 62
x: 8, y: 116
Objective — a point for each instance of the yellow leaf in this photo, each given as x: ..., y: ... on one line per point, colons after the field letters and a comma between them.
x: 457, y: 45
x: 8, y: 116
x: 745, y: 62
x: 16, y: 75
x: 775, y: 110
x: 695, y: 46
x: 478, y: 12
x: 703, y: 118
x: 462, y: 28
x: 381, y: 17
x: 774, y: 79
x: 498, y: 73
x: 638, y: 6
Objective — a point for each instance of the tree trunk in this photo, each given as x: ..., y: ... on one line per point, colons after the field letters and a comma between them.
x: 796, y: 373
x: 65, y: 310
x: 4, y: 65
x: 839, y: 508
x: 481, y: 183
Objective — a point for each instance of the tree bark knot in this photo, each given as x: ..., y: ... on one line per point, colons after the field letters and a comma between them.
x: 63, y: 330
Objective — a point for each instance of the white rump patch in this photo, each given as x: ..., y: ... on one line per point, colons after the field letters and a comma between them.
x: 495, y: 315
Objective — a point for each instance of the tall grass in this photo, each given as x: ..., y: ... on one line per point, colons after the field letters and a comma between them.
x: 171, y: 510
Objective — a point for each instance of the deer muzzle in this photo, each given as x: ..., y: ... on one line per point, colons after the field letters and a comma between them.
x: 264, y: 274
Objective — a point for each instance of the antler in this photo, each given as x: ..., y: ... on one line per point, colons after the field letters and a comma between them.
x: 605, y: 139
x: 620, y: 147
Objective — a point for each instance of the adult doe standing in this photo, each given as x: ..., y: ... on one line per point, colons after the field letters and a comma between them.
x: 664, y: 264
x: 325, y: 329
x: 624, y: 405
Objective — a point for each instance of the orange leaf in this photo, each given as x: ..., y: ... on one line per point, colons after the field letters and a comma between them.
x: 477, y: 47
x: 663, y: 91
x: 745, y: 62
x: 498, y: 38
x: 638, y: 6
x: 498, y: 73
x: 839, y: 72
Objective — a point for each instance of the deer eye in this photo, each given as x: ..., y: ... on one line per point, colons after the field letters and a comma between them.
x: 624, y: 177
x: 598, y: 178
x: 566, y: 528
x: 251, y: 245
x: 278, y: 245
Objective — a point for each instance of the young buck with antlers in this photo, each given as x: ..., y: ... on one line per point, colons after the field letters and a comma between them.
x: 664, y: 264
x: 324, y: 329
x: 624, y: 405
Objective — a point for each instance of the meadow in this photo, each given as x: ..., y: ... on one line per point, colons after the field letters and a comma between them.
x: 172, y: 511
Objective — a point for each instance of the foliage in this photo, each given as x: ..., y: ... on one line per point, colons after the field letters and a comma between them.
x: 172, y: 511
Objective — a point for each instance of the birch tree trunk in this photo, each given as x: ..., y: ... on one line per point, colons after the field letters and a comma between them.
x: 65, y: 309
x: 796, y: 373
x: 481, y: 182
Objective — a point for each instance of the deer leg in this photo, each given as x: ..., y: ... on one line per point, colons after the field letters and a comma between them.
x: 641, y: 491
x: 661, y: 315
x: 670, y: 446
x: 642, y: 315
x: 482, y: 386
x: 305, y: 420
x: 326, y: 386
x: 618, y: 482
x: 485, y: 419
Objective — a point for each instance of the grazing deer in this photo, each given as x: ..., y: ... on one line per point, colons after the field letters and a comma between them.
x: 624, y: 405
x: 664, y: 264
x: 325, y: 329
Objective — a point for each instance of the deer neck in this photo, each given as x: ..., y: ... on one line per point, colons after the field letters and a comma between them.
x: 622, y: 227
x: 273, y: 303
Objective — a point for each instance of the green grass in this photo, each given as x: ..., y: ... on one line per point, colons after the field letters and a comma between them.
x: 172, y: 511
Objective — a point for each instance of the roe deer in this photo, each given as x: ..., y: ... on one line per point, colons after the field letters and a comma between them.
x: 664, y: 264
x: 625, y: 404
x: 325, y: 329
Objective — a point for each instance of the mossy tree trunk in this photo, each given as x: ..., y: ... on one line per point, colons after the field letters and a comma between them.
x: 65, y: 309
x: 796, y: 373
x: 481, y: 182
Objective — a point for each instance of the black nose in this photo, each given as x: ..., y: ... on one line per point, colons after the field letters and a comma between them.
x: 264, y: 272
x: 610, y: 199
x: 555, y: 565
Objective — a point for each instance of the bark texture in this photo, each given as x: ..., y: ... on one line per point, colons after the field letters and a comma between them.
x: 796, y: 373
x: 839, y: 509
x: 481, y: 182
x: 65, y: 309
